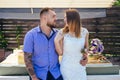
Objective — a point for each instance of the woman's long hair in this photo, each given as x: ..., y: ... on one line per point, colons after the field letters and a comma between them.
x: 73, y: 21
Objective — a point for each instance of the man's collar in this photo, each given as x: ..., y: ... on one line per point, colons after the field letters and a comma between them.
x: 39, y: 29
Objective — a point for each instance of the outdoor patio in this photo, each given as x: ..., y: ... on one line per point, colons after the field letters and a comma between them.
x: 100, y: 18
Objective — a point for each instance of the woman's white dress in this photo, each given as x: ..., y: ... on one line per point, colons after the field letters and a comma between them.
x: 71, y: 68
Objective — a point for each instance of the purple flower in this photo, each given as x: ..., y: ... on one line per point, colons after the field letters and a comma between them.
x: 96, y: 46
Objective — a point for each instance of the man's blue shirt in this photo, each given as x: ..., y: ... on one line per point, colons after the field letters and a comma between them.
x: 44, y: 56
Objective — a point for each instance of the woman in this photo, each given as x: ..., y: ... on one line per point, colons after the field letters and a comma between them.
x: 69, y: 42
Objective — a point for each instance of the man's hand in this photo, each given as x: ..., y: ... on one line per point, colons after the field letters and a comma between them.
x: 34, y: 77
x: 84, y: 61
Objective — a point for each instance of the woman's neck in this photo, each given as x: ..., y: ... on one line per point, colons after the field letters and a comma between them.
x: 71, y: 33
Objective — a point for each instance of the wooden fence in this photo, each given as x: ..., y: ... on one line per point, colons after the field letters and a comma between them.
x: 107, y: 29
x: 10, y: 29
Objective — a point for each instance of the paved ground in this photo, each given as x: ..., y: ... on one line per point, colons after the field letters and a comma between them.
x: 90, y: 77
x: 104, y: 77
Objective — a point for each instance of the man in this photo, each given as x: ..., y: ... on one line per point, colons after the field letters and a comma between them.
x: 40, y: 55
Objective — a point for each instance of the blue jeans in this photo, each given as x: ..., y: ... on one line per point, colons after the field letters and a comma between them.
x: 50, y: 77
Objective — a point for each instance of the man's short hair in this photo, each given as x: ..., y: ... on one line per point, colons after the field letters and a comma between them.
x: 45, y: 10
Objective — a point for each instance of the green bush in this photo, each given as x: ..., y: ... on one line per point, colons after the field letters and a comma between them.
x: 3, y: 41
x: 116, y: 3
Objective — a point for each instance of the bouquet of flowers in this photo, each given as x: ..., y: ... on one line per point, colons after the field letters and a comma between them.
x: 94, y: 51
x: 96, y: 47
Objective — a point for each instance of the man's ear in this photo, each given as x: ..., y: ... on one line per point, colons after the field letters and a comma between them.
x: 45, y: 17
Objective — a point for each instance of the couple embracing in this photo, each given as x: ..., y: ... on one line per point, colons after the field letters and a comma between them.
x: 43, y: 45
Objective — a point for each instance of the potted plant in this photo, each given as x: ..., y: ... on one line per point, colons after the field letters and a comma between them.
x: 18, y: 51
x: 3, y: 45
x: 18, y: 33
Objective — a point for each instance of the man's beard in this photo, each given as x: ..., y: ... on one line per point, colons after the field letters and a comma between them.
x: 51, y: 25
